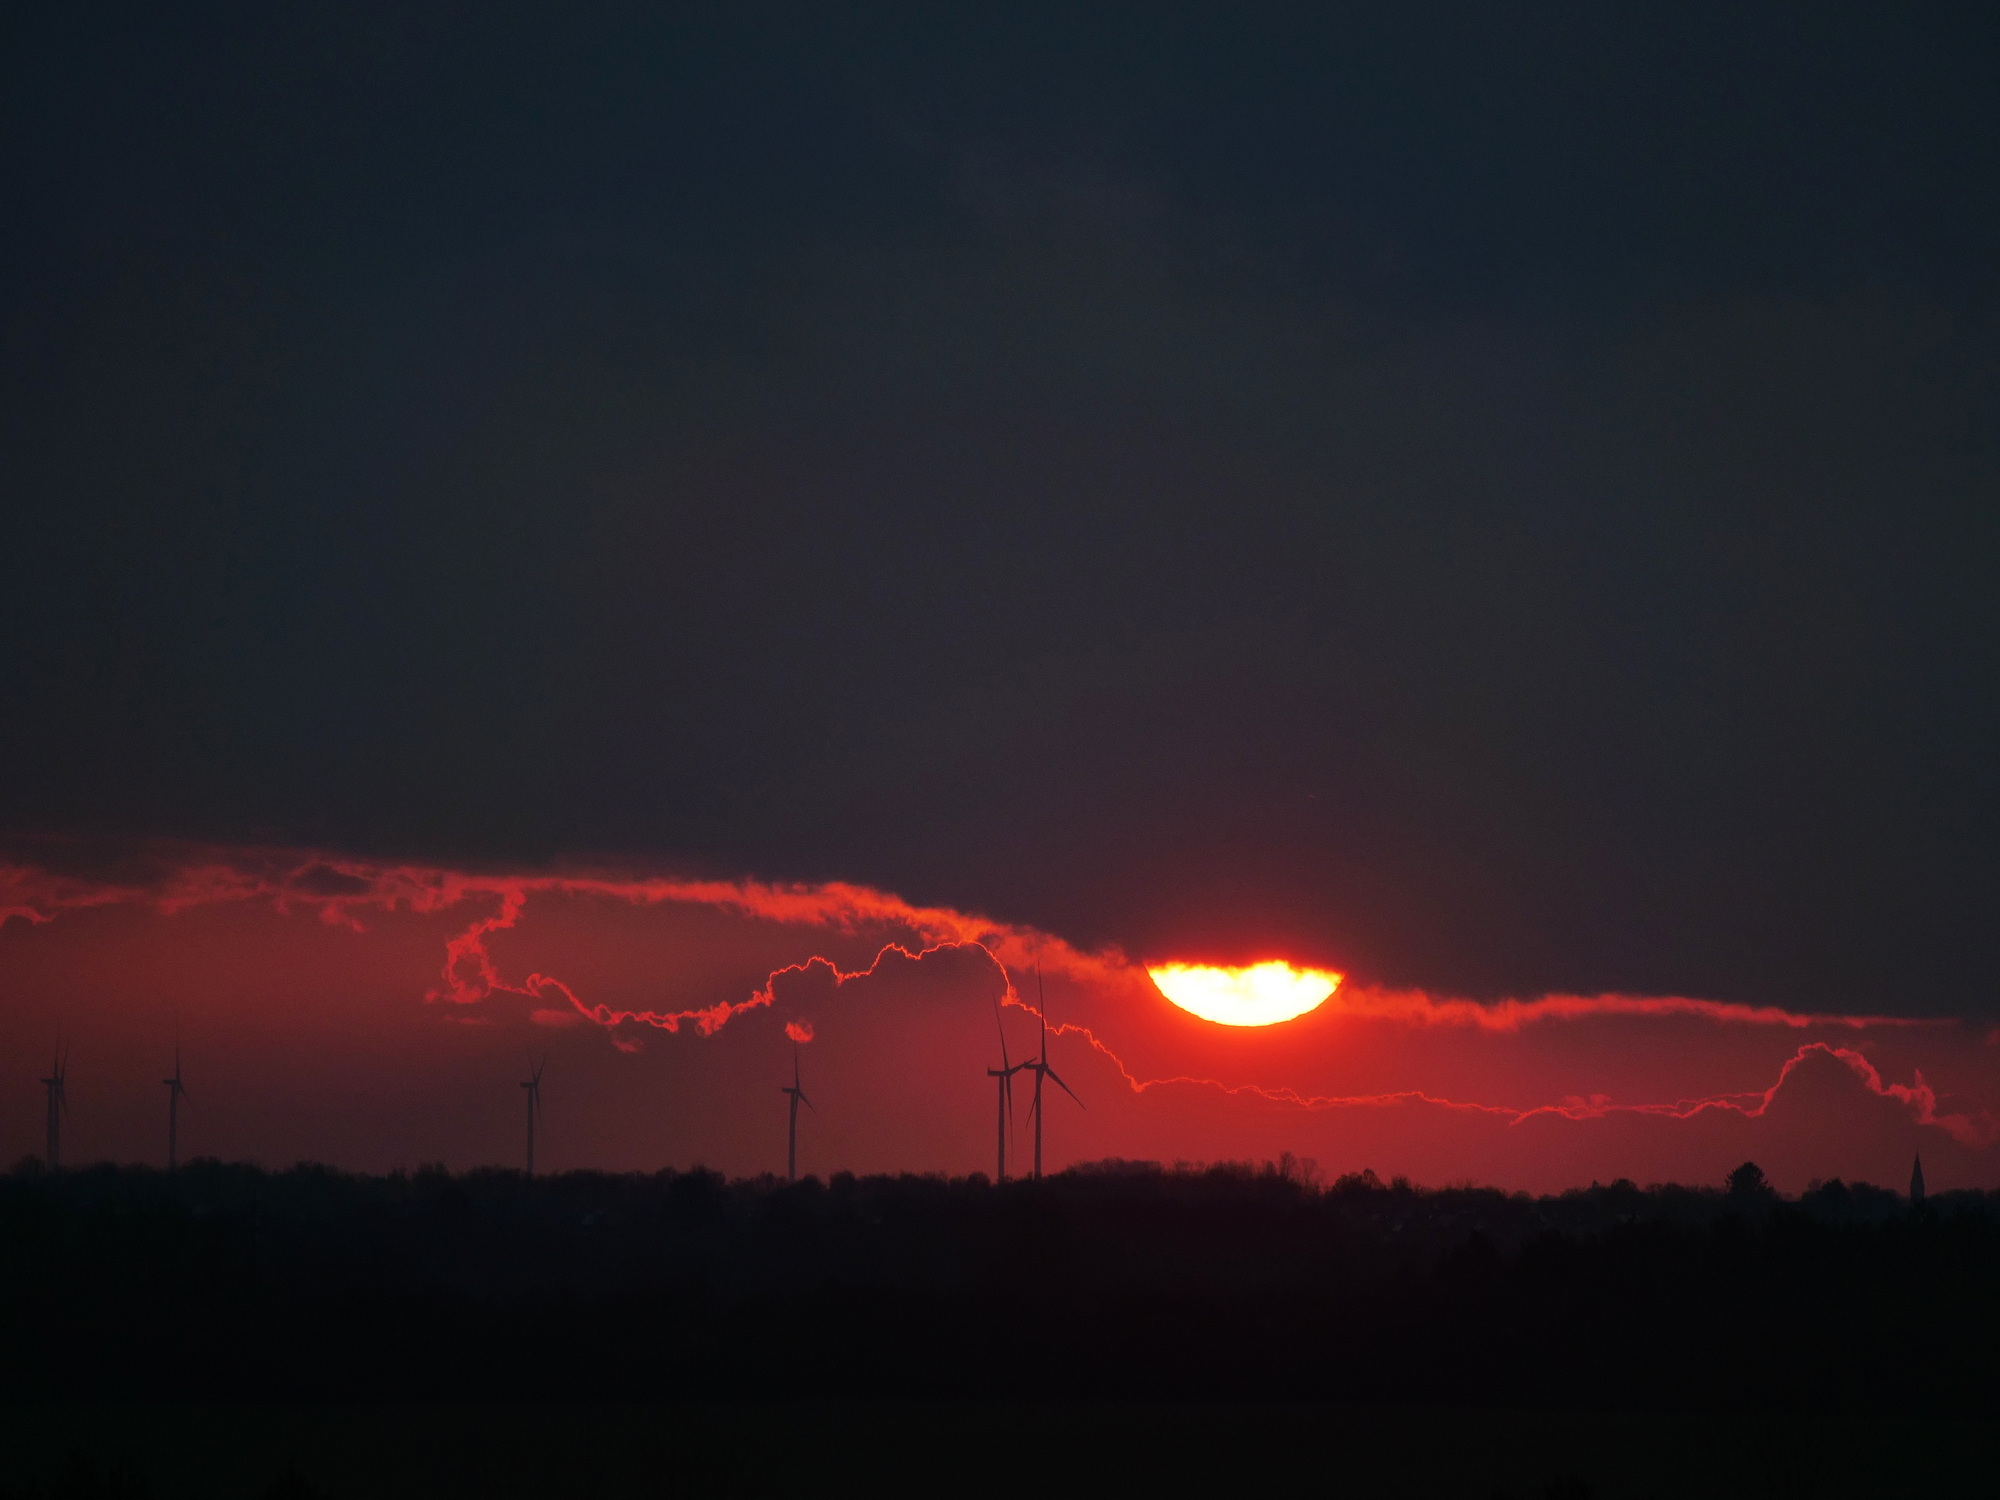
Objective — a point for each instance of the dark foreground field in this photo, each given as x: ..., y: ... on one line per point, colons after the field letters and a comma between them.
x: 486, y: 1334
x: 628, y: 1451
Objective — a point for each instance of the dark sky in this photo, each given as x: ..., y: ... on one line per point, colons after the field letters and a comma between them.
x: 1494, y: 498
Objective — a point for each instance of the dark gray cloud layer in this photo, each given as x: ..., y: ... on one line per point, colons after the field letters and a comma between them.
x: 1497, y: 501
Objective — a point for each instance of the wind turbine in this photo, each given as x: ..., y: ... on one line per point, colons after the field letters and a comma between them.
x: 176, y: 1091
x: 534, y: 1088
x: 1003, y: 1079
x: 798, y: 1097
x: 1043, y: 1070
x: 55, y: 1083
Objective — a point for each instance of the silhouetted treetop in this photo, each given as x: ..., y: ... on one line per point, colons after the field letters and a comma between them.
x: 1748, y: 1182
x: 311, y: 1282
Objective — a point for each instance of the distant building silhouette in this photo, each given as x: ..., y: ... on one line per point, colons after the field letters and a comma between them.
x: 1917, y: 1182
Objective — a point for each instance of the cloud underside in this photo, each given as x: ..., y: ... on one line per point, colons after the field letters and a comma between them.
x: 350, y: 893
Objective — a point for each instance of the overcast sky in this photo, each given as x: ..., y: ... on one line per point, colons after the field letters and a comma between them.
x: 1498, y: 499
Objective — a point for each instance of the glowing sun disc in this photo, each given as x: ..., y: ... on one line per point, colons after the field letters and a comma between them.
x: 1258, y: 995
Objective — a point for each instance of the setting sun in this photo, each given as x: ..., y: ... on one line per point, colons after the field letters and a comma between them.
x: 1257, y: 995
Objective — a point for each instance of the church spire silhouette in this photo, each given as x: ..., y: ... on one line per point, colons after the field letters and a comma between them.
x: 1917, y: 1182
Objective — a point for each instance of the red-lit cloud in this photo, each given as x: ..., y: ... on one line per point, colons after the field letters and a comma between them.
x: 1586, y: 1063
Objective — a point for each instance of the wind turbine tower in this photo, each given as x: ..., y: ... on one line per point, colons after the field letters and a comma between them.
x: 56, y: 1084
x: 176, y: 1091
x: 1003, y: 1079
x: 797, y: 1095
x: 1043, y: 1070
x: 534, y: 1088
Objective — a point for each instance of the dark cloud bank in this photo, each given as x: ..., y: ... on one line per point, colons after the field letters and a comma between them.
x: 1492, y: 501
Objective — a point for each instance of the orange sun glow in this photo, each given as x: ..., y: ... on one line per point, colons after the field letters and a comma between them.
x: 1258, y: 995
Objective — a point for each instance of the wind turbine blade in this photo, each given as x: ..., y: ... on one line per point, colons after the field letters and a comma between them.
x: 807, y: 1102
x: 1065, y: 1087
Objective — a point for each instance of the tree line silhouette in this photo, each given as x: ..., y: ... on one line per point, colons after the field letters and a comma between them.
x: 227, y: 1281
